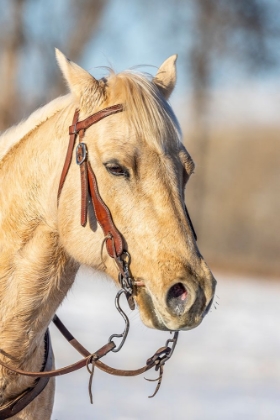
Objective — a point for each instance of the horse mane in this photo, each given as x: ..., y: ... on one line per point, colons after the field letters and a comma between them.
x: 15, y: 133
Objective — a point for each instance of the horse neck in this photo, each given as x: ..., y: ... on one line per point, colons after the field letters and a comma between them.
x: 35, y: 271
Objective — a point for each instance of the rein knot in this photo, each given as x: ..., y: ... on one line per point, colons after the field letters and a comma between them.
x: 91, y: 361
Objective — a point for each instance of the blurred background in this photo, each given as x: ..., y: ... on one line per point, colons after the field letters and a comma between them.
x: 228, y: 103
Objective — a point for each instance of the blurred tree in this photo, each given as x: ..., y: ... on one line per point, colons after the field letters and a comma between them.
x: 224, y: 31
x: 218, y: 37
x: 11, y: 41
x: 68, y: 25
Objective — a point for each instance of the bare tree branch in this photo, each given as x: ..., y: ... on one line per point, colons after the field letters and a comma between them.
x: 70, y: 31
x: 9, y: 64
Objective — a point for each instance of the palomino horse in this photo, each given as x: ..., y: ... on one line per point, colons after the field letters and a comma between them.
x: 141, y: 168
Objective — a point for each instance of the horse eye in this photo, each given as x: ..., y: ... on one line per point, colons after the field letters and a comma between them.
x: 115, y: 169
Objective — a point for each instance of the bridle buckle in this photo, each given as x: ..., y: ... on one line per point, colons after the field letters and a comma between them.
x: 81, y: 153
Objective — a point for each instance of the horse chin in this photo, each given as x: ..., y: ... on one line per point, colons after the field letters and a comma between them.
x: 148, y: 313
x: 152, y: 317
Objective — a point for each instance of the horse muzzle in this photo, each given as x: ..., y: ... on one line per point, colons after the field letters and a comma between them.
x: 181, y: 306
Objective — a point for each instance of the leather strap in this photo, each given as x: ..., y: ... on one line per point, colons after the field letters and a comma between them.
x: 27, y: 396
x: 157, y: 360
x: 114, y: 240
x: 69, y: 153
x: 81, y: 155
x: 67, y: 369
x: 74, y: 130
x: 102, y: 366
x: 94, y: 118
x: 88, y: 357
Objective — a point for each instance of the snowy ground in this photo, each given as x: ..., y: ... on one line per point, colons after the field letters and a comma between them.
x: 226, y: 369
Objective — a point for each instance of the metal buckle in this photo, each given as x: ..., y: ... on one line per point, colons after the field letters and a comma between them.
x: 125, y: 279
x: 81, y: 153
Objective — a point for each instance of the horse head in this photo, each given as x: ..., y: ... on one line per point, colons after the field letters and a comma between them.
x: 141, y: 168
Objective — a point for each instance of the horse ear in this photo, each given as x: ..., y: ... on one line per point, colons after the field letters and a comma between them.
x: 80, y: 82
x: 165, y: 78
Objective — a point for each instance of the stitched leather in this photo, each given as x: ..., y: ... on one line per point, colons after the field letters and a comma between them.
x: 93, y: 119
x: 114, y: 242
x: 84, y: 193
x: 69, y: 153
x: 84, y: 177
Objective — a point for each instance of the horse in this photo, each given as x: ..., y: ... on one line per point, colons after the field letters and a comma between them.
x: 141, y: 168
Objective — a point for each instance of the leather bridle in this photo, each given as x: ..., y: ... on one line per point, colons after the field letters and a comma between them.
x: 113, y: 238
x: 116, y: 250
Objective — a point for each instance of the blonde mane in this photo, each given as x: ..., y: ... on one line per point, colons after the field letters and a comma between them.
x: 15, y: 133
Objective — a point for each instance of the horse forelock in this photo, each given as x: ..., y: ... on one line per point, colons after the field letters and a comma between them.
x: 145, y: 108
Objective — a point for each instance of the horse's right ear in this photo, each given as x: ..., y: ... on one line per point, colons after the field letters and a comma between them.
x: 80, y: 82
x: 165, y: 78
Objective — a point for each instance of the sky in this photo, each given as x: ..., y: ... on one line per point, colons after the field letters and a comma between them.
x: 137, y: 32
x: 140, y: 35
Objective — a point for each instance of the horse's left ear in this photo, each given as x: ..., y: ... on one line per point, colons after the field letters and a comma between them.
x: 165, y: 78
x: 80, y: 82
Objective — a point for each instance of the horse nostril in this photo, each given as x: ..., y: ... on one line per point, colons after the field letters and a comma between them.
x: 177, y: 298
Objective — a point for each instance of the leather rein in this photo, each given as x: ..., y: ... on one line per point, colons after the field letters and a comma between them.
x: 116, y: 250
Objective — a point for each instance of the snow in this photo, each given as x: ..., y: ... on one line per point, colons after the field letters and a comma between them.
x: 228, y: 368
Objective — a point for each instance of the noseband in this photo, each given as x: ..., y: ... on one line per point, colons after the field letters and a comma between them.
x: 116, y: 250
